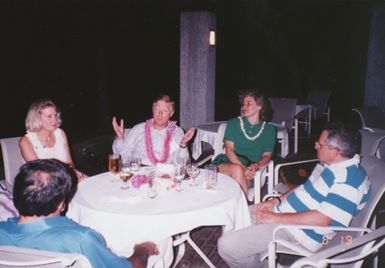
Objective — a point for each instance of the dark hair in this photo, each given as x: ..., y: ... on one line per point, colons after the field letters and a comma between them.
x: 41, y: 185
x: 343, y: 137
x: 266, y: 112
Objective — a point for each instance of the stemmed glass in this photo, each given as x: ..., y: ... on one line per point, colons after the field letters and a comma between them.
x: 179, y: 174
x: 125, y: 175
x: 193, y: 171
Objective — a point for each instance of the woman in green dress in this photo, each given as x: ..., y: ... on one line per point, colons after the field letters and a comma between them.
x: 249, y: 140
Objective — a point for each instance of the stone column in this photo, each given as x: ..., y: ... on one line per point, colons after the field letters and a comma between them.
x: 197, y: 68
x: 375, y: 70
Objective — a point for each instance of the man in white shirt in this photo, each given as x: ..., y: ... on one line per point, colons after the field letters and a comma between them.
x: 158, y: 140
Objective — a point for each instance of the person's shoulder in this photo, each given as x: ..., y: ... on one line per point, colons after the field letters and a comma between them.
x: 27, y: 140
x: 70, y: 228
x: 60, y: 132
x: 138, y: 126
x: 233, y: 121
x: 270, y: 127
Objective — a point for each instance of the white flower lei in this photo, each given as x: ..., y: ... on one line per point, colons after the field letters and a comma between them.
x: 244, y: 131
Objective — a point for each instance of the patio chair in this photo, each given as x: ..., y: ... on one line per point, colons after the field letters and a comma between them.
x: 371, y: 118
x: 360, y: 224
x: 284, y: 119
x: 12, y: 160
x: 319, y: 104
x: 26, y: 257
x: 367, y: 244
x: 371, y: 144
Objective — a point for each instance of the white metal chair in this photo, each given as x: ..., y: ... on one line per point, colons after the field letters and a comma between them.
x: 12, y: 160
x: 375, y: 169
x: 371, y: 118
x: 366, y: 245
x: 284, y: 117
x: 26, y: 257
x: 318, y: 101
x: 371, y: 144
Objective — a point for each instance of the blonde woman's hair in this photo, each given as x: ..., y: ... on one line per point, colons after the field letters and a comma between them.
x: 32, y: 121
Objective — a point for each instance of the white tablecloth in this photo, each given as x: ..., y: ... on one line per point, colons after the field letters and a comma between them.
x: 127, y: 217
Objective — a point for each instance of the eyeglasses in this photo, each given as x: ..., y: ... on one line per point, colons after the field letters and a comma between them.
x: 318, y: 144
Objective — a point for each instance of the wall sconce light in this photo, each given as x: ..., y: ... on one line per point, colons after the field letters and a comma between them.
x: 212, y: 38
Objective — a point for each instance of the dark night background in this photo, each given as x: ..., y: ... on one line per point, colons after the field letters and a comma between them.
x: 99, y: 58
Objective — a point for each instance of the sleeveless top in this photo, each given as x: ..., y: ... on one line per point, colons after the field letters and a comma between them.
x: 58, y: 151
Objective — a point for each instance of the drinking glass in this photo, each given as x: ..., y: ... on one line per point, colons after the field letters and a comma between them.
x: 135, y: 164
x: 125, y: 175
x: 211, y: 178
x: 179, y: 175
x: 114, y: 163
x: 193, y: 171
x: 153, y: 185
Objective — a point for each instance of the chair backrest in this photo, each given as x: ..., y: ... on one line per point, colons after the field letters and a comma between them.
x: 320, y: 100
x: 283, y: 111
x: 371, y: 142
x: 26, y: 257
x: 218, y: 144
x: 375, y: 169
x: 365, y: 218
x: 12, y: 160
x: 371, y: 117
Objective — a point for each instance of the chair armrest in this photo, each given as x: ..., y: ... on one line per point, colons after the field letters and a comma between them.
x: 322, y: 258
x: 278, y: 166
x: 205, y: 159
x: 263, y: 172
x: 296, y: 249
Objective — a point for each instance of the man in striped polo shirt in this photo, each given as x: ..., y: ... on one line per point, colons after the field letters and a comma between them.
x: 336, y: 190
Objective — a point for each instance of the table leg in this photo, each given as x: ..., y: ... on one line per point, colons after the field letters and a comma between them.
x: 180, y: 243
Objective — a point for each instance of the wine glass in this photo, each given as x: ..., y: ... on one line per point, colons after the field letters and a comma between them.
x: 125, y: 175
x: 179, y: 174
x: 193, y: 171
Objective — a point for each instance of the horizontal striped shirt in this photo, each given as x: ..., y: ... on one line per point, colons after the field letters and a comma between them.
x: 338, y: 191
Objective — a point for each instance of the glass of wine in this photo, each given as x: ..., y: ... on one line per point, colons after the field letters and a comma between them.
x: 193, y: 171
x: 179, y: 175
x: 125, y: 175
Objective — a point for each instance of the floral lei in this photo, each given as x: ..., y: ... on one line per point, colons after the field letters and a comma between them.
x: 166, y: 145
x: 244, y: 131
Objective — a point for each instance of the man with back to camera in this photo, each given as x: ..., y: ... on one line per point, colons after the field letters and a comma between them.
x: 337, y: 188
x: 158, y: 140
x: 42, y: 190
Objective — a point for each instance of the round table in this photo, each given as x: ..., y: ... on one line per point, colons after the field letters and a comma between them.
x: 127, y: 217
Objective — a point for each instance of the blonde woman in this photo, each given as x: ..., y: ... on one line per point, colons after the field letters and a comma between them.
x: 44, y: 138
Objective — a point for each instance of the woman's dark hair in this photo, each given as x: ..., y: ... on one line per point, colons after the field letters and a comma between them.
x: 266, y: 112
x: 344, y: 137
x: 41, y: 185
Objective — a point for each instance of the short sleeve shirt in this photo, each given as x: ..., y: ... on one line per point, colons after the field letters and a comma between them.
x: 60, y: 234
x: 254, y: 148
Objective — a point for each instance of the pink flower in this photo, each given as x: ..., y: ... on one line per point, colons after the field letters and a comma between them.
x: 138, y: 180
